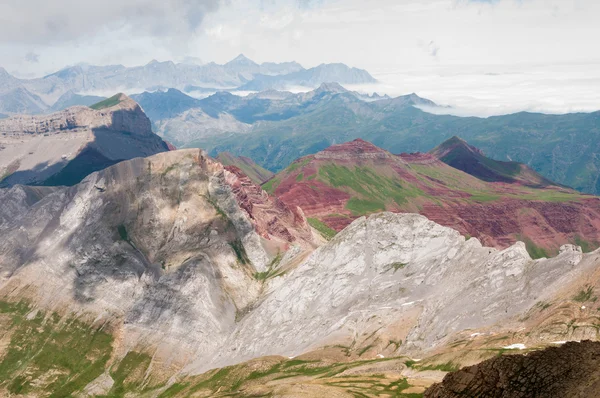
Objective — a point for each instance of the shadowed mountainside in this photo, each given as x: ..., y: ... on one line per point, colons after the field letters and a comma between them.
x: 64, y: 147
x: 457, y: 153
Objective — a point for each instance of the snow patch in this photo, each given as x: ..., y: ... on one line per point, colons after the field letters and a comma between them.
x: 517, y: 346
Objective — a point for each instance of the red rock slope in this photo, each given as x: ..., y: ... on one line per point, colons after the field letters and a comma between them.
x: 343, y: 182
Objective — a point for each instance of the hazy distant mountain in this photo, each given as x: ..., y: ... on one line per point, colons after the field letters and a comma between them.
x: 7, y: 81
x: 20, y: 100
x: 272, y: 105
x: 82, y: 78
x: 70, y: 99
x: 186, y: 121
x: 312, y: 77
x: 164, y: 104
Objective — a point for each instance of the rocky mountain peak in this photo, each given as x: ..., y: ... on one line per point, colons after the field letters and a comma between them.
x: 332, y: 87
x: 241, y: 60
x: 455, y: 144
x: 457, y: 153
x: 75, y: 142
x: 357, y: 149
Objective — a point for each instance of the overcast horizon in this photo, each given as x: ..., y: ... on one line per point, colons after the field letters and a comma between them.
x: 439, y: 49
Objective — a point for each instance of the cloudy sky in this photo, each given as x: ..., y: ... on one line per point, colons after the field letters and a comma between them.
x: 544, y: 49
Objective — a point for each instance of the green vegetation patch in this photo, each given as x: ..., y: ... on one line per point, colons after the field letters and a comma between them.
x: 50, y: 356
x: 271, y: 271
x: 271, y: 185
x: 395, y: 266
x: 240, y: 251
x: 123, y: 233
x: 373, y: 189
x: 444, y: 367
x: 173, y: 390
x: 298, y: 164
x: 129, y: 374
x: 534, y: 250
x: 361, y: 207
x: 233, y: 381
x: 107, y: 103
x: 328, y: 233
x: 586, y: 246
x: 584, y: 294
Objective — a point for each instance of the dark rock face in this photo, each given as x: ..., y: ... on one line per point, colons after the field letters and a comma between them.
x: 572, y: 370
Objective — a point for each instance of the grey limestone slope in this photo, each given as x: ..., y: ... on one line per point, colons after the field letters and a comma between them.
x: 157, y: 249
x: 397, y: 277
x: 168, y: 251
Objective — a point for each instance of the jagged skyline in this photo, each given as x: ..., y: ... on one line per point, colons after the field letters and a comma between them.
x: 483, y: 57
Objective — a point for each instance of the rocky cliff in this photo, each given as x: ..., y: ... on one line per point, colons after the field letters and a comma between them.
x: 571, y: 370
x: 343, y: 182
x: 64, y: 147
x: 164, y: 250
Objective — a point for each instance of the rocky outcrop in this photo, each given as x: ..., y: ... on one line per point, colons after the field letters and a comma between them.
x: 269, y: 215
x: 163, y: 249
x: 356, y: 178
x: 64, y: 147
x: 399, y: 277
x: 571, y: 370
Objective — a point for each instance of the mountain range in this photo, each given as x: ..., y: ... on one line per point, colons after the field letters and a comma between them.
x: 129, y: 268
x: 275, y: 128
x: 40, y: 94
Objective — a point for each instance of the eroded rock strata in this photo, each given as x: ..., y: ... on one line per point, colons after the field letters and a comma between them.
x: 571, y: 370
x: 64, y: 147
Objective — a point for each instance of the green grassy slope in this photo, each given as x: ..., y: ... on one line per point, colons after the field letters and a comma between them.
x: 46, y: 355
x: 107, y: 103
x: 256, y: 173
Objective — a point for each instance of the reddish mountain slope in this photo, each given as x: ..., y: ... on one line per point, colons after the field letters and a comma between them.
x: 343, y: 182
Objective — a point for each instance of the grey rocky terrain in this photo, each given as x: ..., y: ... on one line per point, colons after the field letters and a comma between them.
x: 200, y: 268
